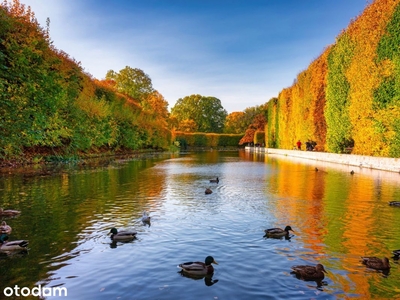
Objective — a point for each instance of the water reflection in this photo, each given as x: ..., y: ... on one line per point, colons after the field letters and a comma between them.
x: 338, y: 218
x: 208, y: 279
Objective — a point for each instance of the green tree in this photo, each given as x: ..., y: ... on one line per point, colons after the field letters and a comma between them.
x: 132, y: 82
x: 206, y: 112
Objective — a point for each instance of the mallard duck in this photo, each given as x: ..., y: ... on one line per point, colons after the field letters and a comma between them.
x: 309, y: 272
x: 214, y: 180
x: 394, y: 203
x: 199, y: 268
x: 9, y: 212
x: 122, y: 235
x: 208, y: 191
x: 6, y: 245
x: 376, y: 263
x: 4, y: 228
x: 278, y: 232
x: 396, y: 254
x: 146, y: 218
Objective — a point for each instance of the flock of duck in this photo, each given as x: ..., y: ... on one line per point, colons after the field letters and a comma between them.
x: 198, y: 268
x: 304, y: 272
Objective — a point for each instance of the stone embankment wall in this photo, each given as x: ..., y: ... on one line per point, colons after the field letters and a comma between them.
x: 362, y: 161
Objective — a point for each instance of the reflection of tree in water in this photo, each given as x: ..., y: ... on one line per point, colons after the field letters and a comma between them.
x: 208, y: 279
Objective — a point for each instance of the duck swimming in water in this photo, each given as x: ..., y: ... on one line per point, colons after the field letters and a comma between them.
x: 9, y: 212
x: 309, y: 272
x: 208, y: 191
x: 6, y: 245
x: 278, y: 232
x: 376, y: 263
x: 146, y: 218
x: 214, y: 180
x: 122, y: 236
x: 199, y: 268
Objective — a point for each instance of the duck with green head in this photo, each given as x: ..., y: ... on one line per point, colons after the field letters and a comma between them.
x: 278, y: 232
x: 6, y: 245
x: 198, y: 267
x: 122, y: 236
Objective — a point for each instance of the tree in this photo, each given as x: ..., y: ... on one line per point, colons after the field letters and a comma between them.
x: 235, y: 122
x: 158, y: 105
x: 133, y: 82
x: 187, y: 126
x: 206, y: 112
x: 258, y: 124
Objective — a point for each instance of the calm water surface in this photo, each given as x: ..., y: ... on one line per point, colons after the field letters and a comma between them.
x: 336, y: 217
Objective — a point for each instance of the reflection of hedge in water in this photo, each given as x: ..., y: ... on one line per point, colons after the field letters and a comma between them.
x: 348, y: 95
x: 200, y: 139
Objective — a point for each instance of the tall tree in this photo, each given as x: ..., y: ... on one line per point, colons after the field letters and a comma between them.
x: 133, y: 82
x: 206, y: 112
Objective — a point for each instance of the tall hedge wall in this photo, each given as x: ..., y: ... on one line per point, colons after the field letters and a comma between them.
x: 350, y: 95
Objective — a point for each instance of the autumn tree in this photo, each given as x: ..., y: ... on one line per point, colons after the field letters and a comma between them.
x: 235, y: 122
x: 206, y: 112
x: 157, y: 105
x: 258, y: 124
x: 133, y: 82
x: 187, y: 126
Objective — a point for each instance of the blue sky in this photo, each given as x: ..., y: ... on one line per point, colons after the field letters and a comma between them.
x: 244, y: 52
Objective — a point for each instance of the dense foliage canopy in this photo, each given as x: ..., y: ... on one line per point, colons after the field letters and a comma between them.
x: 207, y: 114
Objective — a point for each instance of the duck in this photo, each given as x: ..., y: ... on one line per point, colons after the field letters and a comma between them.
x: 199, y: 268
x: 214, y: 180
x: 352, y: 172
x: 278, y: 232
x: 396, y: 254
x: 208, y: 191
x: 6, y: 245
x: 122, y: 235
x: 4, y: 228
x: 9, y: 212
x: 309, y: 272
x: 394, y: 203
x: 146, y: 218
x: 376, y: 263
x: 316, y: 169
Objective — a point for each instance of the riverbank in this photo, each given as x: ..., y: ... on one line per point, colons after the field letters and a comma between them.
x: 361, y: 161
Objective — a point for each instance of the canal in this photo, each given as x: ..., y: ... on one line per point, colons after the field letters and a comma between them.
x: 337, y: 217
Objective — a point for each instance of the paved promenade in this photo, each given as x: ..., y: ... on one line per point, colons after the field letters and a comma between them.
x: 362, y: 161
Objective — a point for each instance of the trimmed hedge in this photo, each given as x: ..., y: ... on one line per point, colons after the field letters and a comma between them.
x: 201, y: 139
